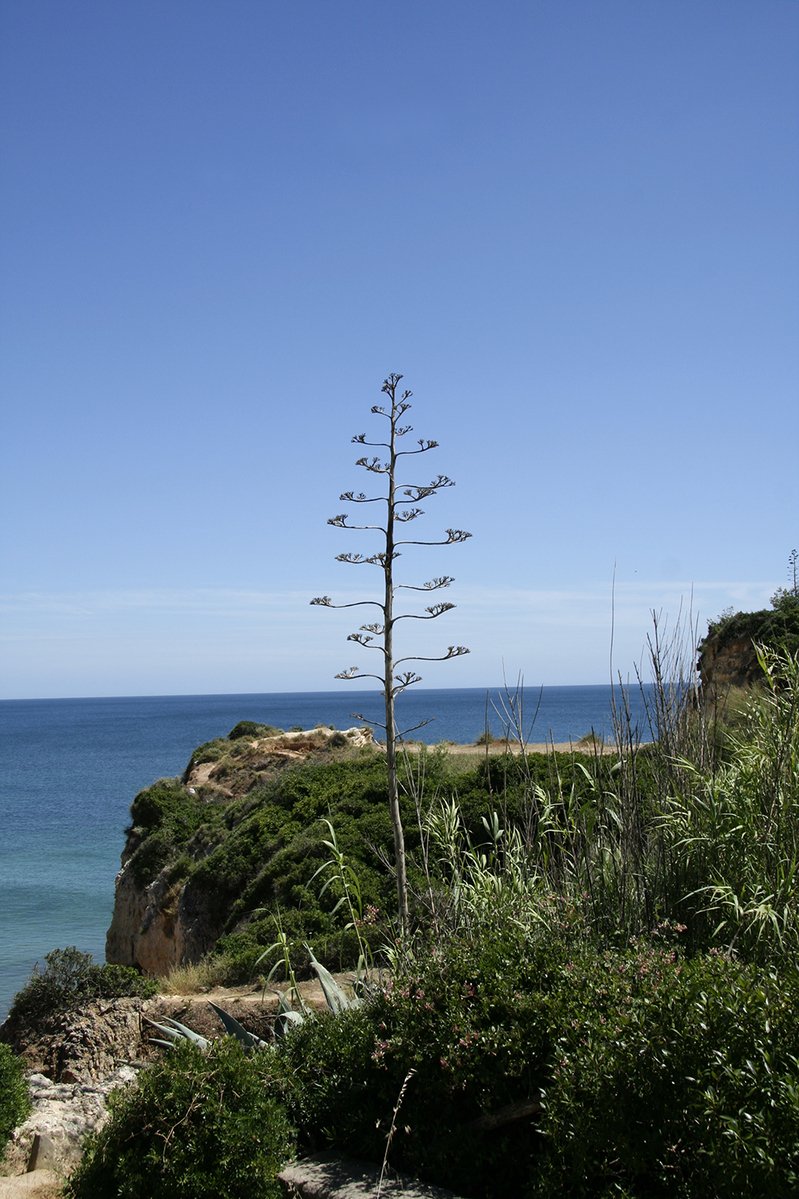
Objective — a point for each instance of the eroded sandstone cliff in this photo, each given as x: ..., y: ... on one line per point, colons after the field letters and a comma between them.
x: 728, y: 654
x: 167, y: 913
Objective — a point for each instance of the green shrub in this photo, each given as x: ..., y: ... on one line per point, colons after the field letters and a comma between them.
x: 273, y: 844
x: 14, y: 1101
x: 671, y: 1078
x: 251, y: 728
x: 154, y: 853
x: 532, y: 1066
x: 209, y: 751
x: 465, y: 1031
x: 156, y: 804
x: 193, y: 1126
x: 508, y: 782
x: 71, y: 977
x: 236, y: 955
x: 166, y: 816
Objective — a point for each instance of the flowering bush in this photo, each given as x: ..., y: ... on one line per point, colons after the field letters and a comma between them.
x: 539, y: 1066
x: 672, y: 1077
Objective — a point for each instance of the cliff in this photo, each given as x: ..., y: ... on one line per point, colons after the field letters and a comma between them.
x: 727, y: 655
x: 200, y: 852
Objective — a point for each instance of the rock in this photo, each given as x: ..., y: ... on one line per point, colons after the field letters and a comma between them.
x: 77, y: 1058
x: 88, y: 1044
x: 145, y: 929
x: 44, y: 1152
x: 84, y: 1044
x: 63, y: 1114
x: 37, y: 1184
x: 328, y: 1177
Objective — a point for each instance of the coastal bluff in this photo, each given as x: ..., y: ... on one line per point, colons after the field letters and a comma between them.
x: 728, y: 656
x: 168, y: 912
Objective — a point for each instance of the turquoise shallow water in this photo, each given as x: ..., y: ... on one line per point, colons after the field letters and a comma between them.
x: 70, y: 768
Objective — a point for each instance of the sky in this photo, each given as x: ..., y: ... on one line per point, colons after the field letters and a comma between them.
x: 571, y: 225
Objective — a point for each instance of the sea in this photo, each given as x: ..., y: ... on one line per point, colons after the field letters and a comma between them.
x: 70, y: 768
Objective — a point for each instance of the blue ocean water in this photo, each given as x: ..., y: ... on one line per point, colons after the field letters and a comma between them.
x: 69, y: 769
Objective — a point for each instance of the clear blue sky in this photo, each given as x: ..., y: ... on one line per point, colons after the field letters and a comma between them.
x: 572, y: 225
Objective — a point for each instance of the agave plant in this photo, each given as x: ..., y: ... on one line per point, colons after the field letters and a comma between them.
x: 176, y: 1032
x: 336, y: 999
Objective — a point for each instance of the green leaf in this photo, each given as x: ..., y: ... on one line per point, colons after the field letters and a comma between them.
x: 247, y: 1039
x: 179, y: 1032
x: 335, y: 997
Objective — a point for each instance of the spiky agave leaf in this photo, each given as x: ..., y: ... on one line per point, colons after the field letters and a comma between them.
x: 286, y: 1015
x: 179, y: 1032
x: 337, y: 1000
x: 247, y: 1039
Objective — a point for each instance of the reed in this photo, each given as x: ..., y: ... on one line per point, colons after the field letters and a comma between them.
x: 697, y: 829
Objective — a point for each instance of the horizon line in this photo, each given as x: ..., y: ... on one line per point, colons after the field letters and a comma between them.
x: 499, y: 687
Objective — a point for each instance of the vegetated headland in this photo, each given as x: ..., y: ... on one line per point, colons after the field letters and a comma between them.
x: 599, y: 995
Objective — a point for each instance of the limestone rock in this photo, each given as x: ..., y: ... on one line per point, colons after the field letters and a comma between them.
x: 63, y: 1114
x: 145, y: 927
x: 81, y: 1045
x: 36, y: 1184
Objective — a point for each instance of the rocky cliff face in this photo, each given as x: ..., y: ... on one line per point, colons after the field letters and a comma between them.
x: 728, y: 664
x: 162, y: 918
x: 149, y: 927
x: 727, y: 655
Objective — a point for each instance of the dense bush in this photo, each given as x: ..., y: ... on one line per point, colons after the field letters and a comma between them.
x: 209, y: 751
x: 776, y: 627
x: 462, y: 1033
x: 14, y: 1101
x: 272, y: 842
x: 165, y: 800
x: 71, y: 977
x: 251, y: 728
x: 541, y: 1068
x: 512, y: 784
x: 671, y: 1078
x: 165, y: 817
x: 236, y: 955
x: 193, y: 1126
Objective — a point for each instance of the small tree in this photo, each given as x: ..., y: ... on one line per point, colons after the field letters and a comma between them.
x: 402, y: 500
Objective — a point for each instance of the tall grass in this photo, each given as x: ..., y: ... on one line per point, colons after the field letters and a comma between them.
x: 735, y: 831
x: 694, y: 830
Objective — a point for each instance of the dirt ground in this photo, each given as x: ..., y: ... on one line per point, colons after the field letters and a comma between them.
x: 495, y: 748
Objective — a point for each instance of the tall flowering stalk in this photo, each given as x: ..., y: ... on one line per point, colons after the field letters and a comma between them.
x: 401, y: 499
